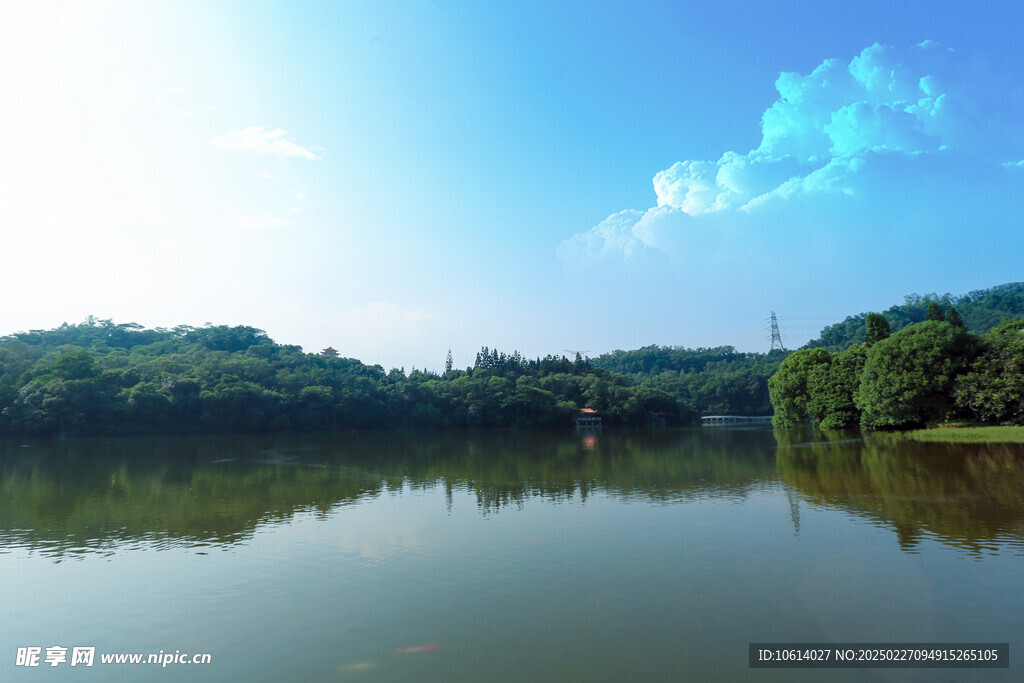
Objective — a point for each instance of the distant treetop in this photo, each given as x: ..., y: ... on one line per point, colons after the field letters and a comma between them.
x: 979, y: 311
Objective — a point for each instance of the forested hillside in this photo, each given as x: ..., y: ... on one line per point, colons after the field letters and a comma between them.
x: 982, y: 310
x: 99, y: 377
x: 723, y: 380
x: 719, y: 380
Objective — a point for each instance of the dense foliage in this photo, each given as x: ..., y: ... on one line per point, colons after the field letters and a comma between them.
x: 908, y: 378
x: 835, y: 404
x: 925, y: 373
x: 993, y: 389
x: 979, y: 311
x: 816, y: 384
x: 713, y: 381
x: 789, y: 388
x: 101, y: 377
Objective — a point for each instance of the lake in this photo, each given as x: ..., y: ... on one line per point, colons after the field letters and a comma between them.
x: 619, y: 556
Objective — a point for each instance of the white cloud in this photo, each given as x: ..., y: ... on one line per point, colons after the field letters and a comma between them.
x: 299, y: 196
x: 294, y: 210
x: 611, y: 237
x: 265, y: 175
x: 260, y: 141
x: 261, y: 221
x: 826, y: 129
x: 834, y: 177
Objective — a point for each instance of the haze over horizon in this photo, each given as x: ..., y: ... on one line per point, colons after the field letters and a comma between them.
x: 395, y: 181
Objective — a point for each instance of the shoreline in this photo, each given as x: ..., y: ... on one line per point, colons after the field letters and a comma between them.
x: 971, y: 434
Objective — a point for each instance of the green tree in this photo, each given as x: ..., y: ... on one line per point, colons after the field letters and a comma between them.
x: 908, y: 378
x: 832, y: 392
x: 74, y: 406
x: 877, y: 327
x: 934, y: 311
x: 77, y: 365
x: 953, y: 318
x: 993, y: 390
x: 788, y: 387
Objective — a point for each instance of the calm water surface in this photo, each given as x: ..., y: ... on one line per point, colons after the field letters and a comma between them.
x: 613, y: 557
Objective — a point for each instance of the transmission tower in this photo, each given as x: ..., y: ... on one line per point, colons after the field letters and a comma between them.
x: 776, y: 336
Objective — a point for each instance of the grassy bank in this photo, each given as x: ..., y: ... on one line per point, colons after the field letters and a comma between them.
x: 970, y: 435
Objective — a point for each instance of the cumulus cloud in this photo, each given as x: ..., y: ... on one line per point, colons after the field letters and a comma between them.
x: 261, y: 141
x: 612, y: 236
x: 824, y: 133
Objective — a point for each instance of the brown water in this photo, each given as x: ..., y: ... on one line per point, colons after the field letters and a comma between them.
x: 651, y: 556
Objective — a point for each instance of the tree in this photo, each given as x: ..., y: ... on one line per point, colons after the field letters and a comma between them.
x: 981, y: 310
x: 877, y: 327
x: 72, y: 406
x: 953, y: 318
x: 788, y: 387
x: 832, y: 392
x: 934, y: 312
x: 78, y: 365
x: 448, y: 362
x: 908, y: 378
x: 993, y: 390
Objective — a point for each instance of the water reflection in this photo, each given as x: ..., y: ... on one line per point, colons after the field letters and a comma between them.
x: 74, y: 495
x: 965, y: 495
x: 66, y: 497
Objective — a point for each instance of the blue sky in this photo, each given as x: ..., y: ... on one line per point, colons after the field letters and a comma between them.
x: 398, y: 179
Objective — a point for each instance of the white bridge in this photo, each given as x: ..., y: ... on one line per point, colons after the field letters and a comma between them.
x: 716, y: 420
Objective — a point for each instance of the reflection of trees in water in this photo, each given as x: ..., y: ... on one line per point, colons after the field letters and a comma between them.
x: 966, y: 495
x: 87, y: 493
x: 96, y: 493
x: 509, y: 469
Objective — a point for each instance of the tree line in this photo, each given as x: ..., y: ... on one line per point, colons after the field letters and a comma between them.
x: 718, y: 380
x: 926, y: 372
x: 99, y: 377
x: 721, y: 380
x: 981, y: 310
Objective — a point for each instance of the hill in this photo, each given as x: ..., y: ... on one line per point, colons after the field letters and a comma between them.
x: 718, y: 380
x: 723, y: 380
x: 981, y: 310
x: 99, y: 377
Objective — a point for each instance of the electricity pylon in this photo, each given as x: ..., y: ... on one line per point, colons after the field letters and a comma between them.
x: 776, y: 336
